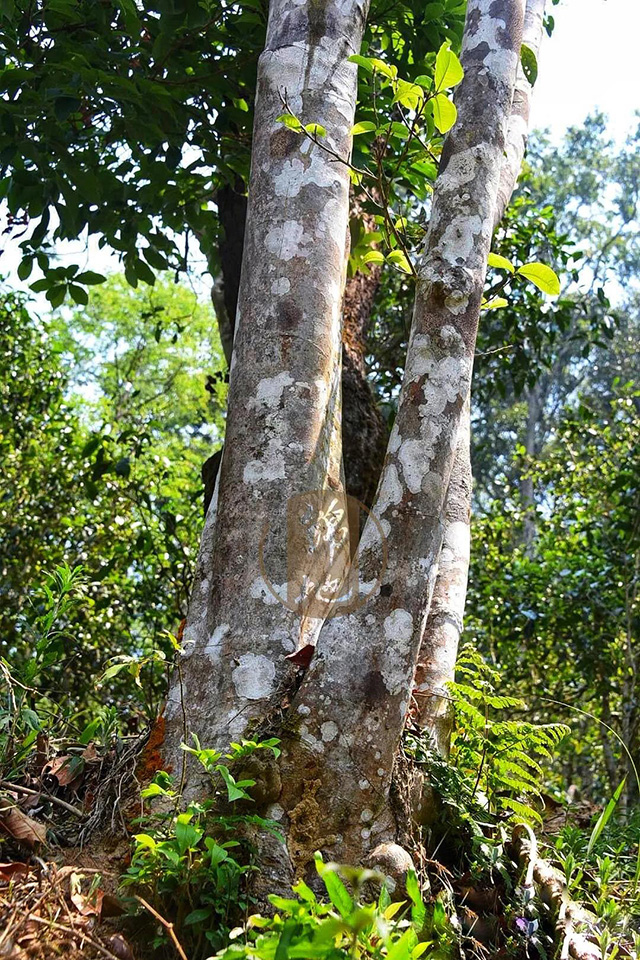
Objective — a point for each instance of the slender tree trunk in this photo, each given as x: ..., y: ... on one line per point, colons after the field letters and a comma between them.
x: 283, y: 422
x: 439, y: 648
x: 352, y: 704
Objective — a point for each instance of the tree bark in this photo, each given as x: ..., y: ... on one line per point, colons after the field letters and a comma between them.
x: 364, y: 432
x: 439, y: 647
x: 283, y: 421
x: 352, y: 704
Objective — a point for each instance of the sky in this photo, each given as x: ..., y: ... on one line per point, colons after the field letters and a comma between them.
x: 590, y: 62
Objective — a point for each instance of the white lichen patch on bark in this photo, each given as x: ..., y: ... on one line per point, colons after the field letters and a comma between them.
x: 270, y: 390
x: 270, y: 467
x: 254, y: 676
x: 212, y: 649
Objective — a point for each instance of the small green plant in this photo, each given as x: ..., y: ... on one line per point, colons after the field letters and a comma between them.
x: 193, y: 864
x: 25, y: 712
x: 344, y: 924
x: 600, y: 866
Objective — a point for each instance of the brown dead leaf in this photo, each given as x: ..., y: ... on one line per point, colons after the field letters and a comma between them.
x: 88, y: 907
x: 90, y: 753
x: 9, y: 871
x: 301, y: 657
x: 21, y: 827
x: 66, y: 770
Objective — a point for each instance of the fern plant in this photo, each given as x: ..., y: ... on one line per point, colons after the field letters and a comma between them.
x: 495, y: 768
x: 500, y: 755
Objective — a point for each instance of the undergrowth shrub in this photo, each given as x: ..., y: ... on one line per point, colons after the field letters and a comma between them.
x: 345, y: 923
x: 193, y: 864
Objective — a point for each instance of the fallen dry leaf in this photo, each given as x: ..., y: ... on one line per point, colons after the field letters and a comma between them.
x: 65, y: 770
x: 8, y: 871
x: 21, y: 827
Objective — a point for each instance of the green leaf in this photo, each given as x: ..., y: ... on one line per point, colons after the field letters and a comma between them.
x: 153, y: 790
x: 56, y: 295
x: 385, y: 69
x: 89, y: 278
x: 449, y: 70
x: 424, y: 81
x: 114, y: 670
x: 197, y: 916
x: 605, y: 816
x: 365, y: 62
x: 130, y: 13
x: 234, y: 790
x: 418, y: 909
x: 316, y: 129
x: 402, y: 948
x: 495, y: 260
x: 217, y: 853
x: 290, y: 121
x: 25, y: 268
x: 410, y: 95
x: 78, y: 294
x: 373, y: 256
x: 365, y: 126
x: 155, y: 259
x: 529, y: 63
x: 399, y: 259
x: 338, y: 893
x: 541, y: 276
x: 400, y: 130
x: 188, y: 834
x: 444, y: 113
x: 87, y: 734
x: 144, y: 272
x: 302, y: 890
x: 144, y: 840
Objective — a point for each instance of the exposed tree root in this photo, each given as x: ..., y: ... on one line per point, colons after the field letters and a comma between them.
x: 575, y: 927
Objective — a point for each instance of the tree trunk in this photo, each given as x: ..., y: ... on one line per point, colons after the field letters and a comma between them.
x: 283, y: 421
x: 352, y: 704
x: 439, y: 648
x: 342, y: 726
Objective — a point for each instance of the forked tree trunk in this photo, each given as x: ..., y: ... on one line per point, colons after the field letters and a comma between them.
x: 439, y: 647
x: 364, y: 431
x: 342, y: 726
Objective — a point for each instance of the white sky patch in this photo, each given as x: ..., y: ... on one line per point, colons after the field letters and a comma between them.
x: 590, y: 61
